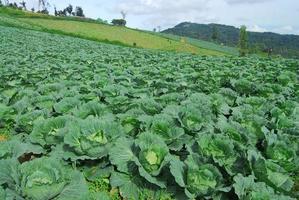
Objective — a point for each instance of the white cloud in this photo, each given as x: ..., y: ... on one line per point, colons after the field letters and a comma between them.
x: 145, y: 7
x: 258, y: 15
x: 168, y: 13
x: 246, y: 1
x: 287, y: 28
x: 257, y: 28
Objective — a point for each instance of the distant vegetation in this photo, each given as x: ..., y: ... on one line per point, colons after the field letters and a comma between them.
x: 69, y: 11
x: 243, y: 41
x: 203, y: 44
x: 119, y: 22
x: 97, y: 30
x: 284, y: 45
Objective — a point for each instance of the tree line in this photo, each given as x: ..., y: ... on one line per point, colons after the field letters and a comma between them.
x: 69, y: 11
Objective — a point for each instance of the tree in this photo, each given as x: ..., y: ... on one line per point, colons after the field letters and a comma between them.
x: 123, y: 14
x: 102, y: 21
x: 13, y: 5
x: 215, y: 33
x: 44, y: 11
x: 69, y: 9
x: 119, y: 22
x: 159, y: 29
x: 79, y: 12
x: 43, y: 6
x: 55, y: 11
x: 243, y: 41
x: 41, y: 3
x: 1, y: 3
x: 154, y: 30
x: 23, y: 4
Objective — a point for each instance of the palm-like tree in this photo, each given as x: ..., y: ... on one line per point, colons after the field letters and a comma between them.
x: 43, y: 4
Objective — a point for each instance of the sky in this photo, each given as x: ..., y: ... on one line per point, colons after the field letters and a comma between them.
x: 280, y: 16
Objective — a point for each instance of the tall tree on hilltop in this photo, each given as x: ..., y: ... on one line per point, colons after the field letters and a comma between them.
x: 23, y: 4
x: 215, y: 34
x: 55, y: 11
x: 159, y: 29
x: 243, y: 41
x: 123, y: 14
x: 43, y: 5
x: 79, y: 12
x: 69, y: 9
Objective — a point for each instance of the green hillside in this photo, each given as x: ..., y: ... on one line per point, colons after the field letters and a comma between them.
x: 284, y: 45
x: 92, y: 30
x: 204, y: 44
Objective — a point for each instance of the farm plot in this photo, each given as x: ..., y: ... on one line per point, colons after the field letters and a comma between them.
x: 84, y: 120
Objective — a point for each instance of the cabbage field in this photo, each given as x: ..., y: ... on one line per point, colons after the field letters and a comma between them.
x: 81, y: 120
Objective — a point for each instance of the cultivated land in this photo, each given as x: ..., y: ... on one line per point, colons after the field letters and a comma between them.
x: 92, y: 30
x: 204, y: 44
x: 84, y: 120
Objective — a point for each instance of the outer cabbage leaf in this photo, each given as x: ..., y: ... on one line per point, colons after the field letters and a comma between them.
x: 202, y: 179
x: 49, y: 131
x: 148, y: 155
x: 2, y: 193
x: 198, y: 178
x: 44, y: 102
x: 26, y: 121
x: 126, y: 184
x: 284, y: 155
x: 235, y: 132
x: 122, y: 156
x: 219, y: 105
x: 92, y: 108
x: 270, y: 173
x: 132, y: 121
x: 9, y: 173
x: 42, y: 179
x: 91, y: 138
x: 16, y: 148
x: 220, y: 148
x: 247, y: 188
x: 148, y: 105
x: 66, y: 104
x: 193, y: 119
x: 165, y: 126
x: 6, y: 113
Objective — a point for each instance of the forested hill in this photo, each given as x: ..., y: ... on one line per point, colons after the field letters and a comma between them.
x: 285, y: 45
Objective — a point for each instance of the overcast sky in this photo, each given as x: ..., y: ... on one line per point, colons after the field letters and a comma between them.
x: 280, y: 16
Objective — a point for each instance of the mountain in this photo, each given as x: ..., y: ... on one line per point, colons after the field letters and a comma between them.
x: 285, y: 45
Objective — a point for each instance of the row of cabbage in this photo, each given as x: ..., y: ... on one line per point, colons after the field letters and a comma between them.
x: 177, y: 126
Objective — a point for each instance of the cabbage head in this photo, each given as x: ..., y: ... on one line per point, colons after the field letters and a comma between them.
x: 37, y: 181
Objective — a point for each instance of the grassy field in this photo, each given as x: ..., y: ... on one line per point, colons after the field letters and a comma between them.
x: 116, y: 34
x: 203, y: 44
x: 92, y: 30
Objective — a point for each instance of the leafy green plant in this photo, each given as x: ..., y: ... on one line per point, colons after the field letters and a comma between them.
x: 137, y: 124
x: 35, y: 180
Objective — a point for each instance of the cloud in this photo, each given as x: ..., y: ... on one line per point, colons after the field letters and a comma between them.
x: 168, y: 12
x: 285, y: 29
x: 257, y: 15
x: 246, y: 1
x: 257, y: 28
x: 145, y: 7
